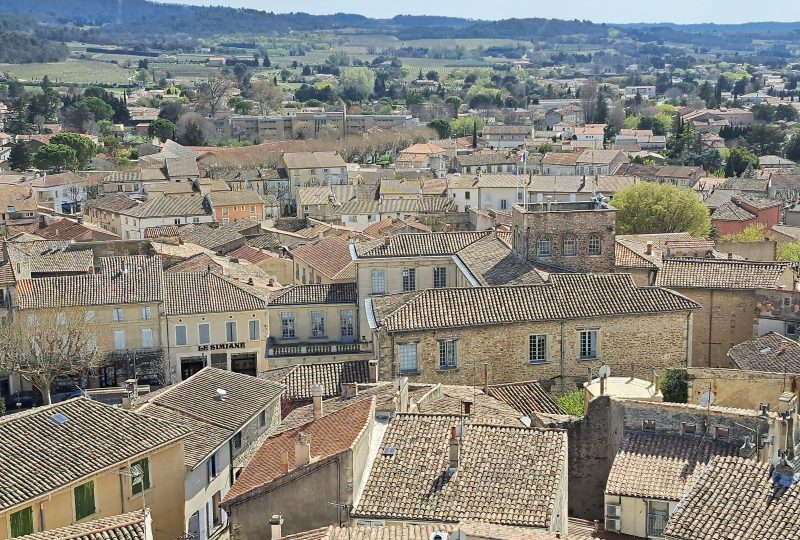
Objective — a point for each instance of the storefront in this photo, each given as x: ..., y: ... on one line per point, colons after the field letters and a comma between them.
x: 229, y: 356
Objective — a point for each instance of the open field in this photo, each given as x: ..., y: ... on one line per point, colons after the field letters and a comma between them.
x: 70, y: 71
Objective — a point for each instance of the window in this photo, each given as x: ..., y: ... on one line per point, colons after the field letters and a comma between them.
x: 352, y: 219
x: 145, y: 313
x: 503, y: 204
x: 537, y: 349
x: 440, y: 277
x: 84, y: 501
x: 570, y: 247
x: 519, y: 196
x: 448, y: 354
x: 89, y: 316
x: 648, y: 425
x: 543, y: 247
x: 180, y: 334
x: 253, y: 210
x: 119, y: 339
x: 317, y: 324
x: 22, y: 522
x: 378, y: 282
x: 116, y: 315
x: 203, y: 333
x: 407, y: 357
x: 595, y: 245
x: 467, y: 195
x: 262, y: 419
x: 230, y: 331
x: 688, y: 429
x: 225, y: 210
x: 147, y: 338
x: 588, y: 344
x: 253, y: 330
x: 347, y: 327
x: 409, y: 279
x: 237, y: 441
x: 142, y: 482
x: 287, y: 325
x: 212, y: 467
x: 657, y: 515
x: 721, y: 432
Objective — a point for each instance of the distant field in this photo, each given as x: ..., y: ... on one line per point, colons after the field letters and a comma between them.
x: 71, y: 71
x: 466, y: 43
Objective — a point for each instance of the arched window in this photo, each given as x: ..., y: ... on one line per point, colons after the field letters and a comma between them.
x: 543, y: 247
x: 570, y: 247
x: 595, y: 244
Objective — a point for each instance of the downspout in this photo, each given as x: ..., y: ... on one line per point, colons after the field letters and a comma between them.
x: 561, y: 367
x: 688, y: 338
x: 710, y: 322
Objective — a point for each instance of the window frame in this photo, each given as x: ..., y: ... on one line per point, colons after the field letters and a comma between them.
x: 592, y: 344
x: 440, y: 277
x: 379, y: 275
x: 409, y: 279
x: 230, y: 337
x: 90, y: 485
x: 288, y: 325
x: 30, y: 526
x: 403, y: 356
x: 117, y: 315
x: 594, y: 251
x: 253, y: 330
x: 569, y: 240
x: 200, y: 340
x: 185, y: 335
x: 147, y: 331
x: 118, y: 333
x: 317, y: 319
x: 448, y: 348
x: 534, y: 345
x: 145, y: 484
x: 347, y: 326
x: 145, y: 313
x: 544, y: 240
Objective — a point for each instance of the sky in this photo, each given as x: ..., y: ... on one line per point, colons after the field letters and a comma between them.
x: 609, y: 11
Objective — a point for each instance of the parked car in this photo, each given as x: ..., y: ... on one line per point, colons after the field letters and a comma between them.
x: 23, y: 400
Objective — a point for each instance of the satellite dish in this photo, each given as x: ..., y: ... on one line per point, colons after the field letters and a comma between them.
x: 604, y: 372
x: 706, y: 399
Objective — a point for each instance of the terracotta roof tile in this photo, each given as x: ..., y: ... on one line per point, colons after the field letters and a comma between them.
x: 737, y: 498
x: 528, y: 397
x: 771, y: 352
x: 335, y: 293
x: 330, y: 375
x: 203, y: 292
x: 418, y: 244
x: 493, y: 263
x: 329, y: 436
x: 720, y: 274
x: 506, y: 475
x: 329, y: 256
x: 660, y: 466
x: 130, y: 526
x: 249, y: 254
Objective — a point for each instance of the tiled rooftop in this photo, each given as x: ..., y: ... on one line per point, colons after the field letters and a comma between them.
x: 770, y: 352
x: 329, y: 256
x: 506, y: 475
x: 736, y: 498
x: 417, y: 244
x: 529, y: 398
x: 492, y: 263
x: 660, y: 466
x: 720, y: 274
x: 336, y: 293
x: 207, y: 292
x: 330, y: 375
x: 130, y: 526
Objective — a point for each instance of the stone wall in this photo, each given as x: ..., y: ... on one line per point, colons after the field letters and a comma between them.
x: 530, y: 226
x: 654, y: 341
x: 740, y: 388
x: 727, y: 319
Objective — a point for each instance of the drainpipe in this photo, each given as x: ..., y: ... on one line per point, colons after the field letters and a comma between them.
x: 562, y: 356
x: 710, y: 322
x: 687, y: 359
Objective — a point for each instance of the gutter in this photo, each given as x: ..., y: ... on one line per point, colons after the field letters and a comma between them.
x: 464, y: 270
x: 370, y: 313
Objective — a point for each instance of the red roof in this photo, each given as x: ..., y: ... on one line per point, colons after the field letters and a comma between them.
x: 330, y: 435
x: 249, y: 254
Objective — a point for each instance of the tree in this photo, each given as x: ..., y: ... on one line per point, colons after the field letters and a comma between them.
x: 84, y: 148
x: 461, y: 127
x: 786, y: 112
x: 303, y: 130
x: 588, y: 96
x: 40, y: 348
x: 266, y: 62
x: 789, y: 252
x: 242, y: 74
x: 454, y: 103
x: 572, y: 402
x: 649, y: 208
x: 194, y: 130
x: 765, y: 139
x: 674, y: 385
x: 212, y: 91
x: 792, y: 148
x: 266, y: 96
x: 756, y: 232
x: 442, y: 128
x: 161, y: 128
x: 55, y: 158
x: 20, y: 158
x: 601, y: 110
x: 357, y: 83
x: 239, y: 105
x: 171, y: 110
x: 99, y: 109
x: 738, y: 160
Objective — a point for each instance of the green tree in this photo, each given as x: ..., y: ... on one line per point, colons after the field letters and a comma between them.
x: 357, y: 83
x: 99, y: 109
x: 601, y: 110
x: 674, y: 385
x: 454, y: 104
x: 55, y: 158
x: 20, y: 158
x: 765, y: 139
x: 84, y: 148
x: 792, y: 148
x: 738, y: 160
x: 464, y: 126
x: 649, y: 208
x: 161, y: 128
x: 789, y: 252
x: 752, y: 233
x: 442, y: 128
x: 572, y: 402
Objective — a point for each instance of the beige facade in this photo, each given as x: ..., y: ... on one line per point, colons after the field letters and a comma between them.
x: 657, y: 341
x: 113, y: 496
x: 633, y: 514
x: 742, y: 389
x: 233, y: 341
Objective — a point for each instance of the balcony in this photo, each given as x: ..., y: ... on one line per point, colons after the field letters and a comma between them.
x: 656, y: 523
x: 317, y: 349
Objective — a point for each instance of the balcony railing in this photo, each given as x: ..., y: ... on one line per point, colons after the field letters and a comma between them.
x: 656, y: 523
x: 314, y: 349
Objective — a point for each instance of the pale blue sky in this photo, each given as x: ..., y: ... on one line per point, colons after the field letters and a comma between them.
x: 612, y: 11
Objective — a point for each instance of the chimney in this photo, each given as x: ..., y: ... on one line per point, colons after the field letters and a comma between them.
x: 467, y: 406
x: 648, y: 250
x: 316, y: 395
x: 386, y: 240
x: 486, y: 378
x: 730, y: 256
x: 455, y: 450
x: 373, y: 371
x: 285, y: 462
x: 349, y: 390
x: 302, y: 450
x: 275, y: 526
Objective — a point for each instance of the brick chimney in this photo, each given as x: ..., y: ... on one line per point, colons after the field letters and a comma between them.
x: 275, y: 526
x: 373, y: 371
x: 316, y: 395
x: 302, y: 450
x: 455, y: 450
x: 648, y: 250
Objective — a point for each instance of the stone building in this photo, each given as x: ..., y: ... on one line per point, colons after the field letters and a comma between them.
x: 727, y: 291
x: 555, y: 330
x: 576, y: 236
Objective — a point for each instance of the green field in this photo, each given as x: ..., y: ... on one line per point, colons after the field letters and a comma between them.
x: 71, y: 71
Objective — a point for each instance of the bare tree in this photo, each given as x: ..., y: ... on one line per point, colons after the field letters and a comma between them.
x: 303, y: 130
x: 212, y: 92
x: 588, y: 95
x: 48, y: 345
x: 267, y: 96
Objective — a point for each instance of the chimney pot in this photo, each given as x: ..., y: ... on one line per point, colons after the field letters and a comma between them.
x: 648, y: 250
x: 285, y: 462
x: 316, y: 396
x: 455, y: 450
x: 302, y: 450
